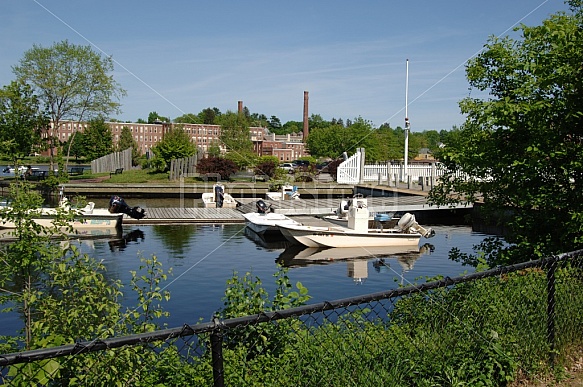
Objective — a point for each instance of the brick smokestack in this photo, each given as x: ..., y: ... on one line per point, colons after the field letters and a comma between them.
x: 306, y: 129
x: 240, y: 107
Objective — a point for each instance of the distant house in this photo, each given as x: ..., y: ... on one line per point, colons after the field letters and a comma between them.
x: 424, y: 155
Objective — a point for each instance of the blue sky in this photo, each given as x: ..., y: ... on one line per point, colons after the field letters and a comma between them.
x: 178, y: 57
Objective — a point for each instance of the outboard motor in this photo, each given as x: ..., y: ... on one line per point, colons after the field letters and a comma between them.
x: 262, y: 207
x: 219, y: 196
x: 117, y: 205
x: 408, y: 223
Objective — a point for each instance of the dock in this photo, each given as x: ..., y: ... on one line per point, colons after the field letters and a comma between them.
x: 188, y: 215
x: 301, y: 207
x: 315, y: 207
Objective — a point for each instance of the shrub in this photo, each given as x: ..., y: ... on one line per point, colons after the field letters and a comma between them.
x: 222, y: 166
x: 332, y: 168
x: 266, y: 168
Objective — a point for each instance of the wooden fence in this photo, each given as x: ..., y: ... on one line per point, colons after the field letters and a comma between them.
x: 113, y: 161
x: 185, y: 167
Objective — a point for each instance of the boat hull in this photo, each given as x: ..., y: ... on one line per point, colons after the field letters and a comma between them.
x: 267, y: 224
x: 98, y: 219
x: 335, y: 237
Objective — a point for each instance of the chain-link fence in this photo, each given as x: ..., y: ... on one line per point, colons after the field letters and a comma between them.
x: 485, y: 328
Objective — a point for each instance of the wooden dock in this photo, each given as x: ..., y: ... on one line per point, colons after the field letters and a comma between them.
x: 302, y: 207
x: 188, y: 215
x: 315, y: 207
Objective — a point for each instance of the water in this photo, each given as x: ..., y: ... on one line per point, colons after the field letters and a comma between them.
x: 204, y: 257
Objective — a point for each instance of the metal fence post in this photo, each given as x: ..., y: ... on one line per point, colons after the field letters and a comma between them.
x: 551, y: 332
x: 217, y: 355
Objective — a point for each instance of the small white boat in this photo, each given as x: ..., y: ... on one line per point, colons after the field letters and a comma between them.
x: 88, y: 220
x: 288, y: 192
x: 218, y: 198
x: 407, y: 232
x: 266, y: 222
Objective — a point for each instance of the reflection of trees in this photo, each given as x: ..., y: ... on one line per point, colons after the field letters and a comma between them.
x: 176, y: 237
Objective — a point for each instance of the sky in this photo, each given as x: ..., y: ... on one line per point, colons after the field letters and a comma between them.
x: 183, y: 56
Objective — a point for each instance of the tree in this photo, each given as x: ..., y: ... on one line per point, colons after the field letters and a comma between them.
x: 97, y: 139
x: 274, y: 124
x: 175, y: 145
x: 188, y: 118
x: 520, y: 149
x: 209, y: 115
x: 235, y: 137
x: 72, y: 81
x: 332, y: 140
x: 76, y: 145
x: 126, y: 140
x: 154, y: 117
x: 21, y: 120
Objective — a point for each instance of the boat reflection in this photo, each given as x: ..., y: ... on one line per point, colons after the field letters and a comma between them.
x: 356, y: 258
x: 119, y: 244
x: 267, y: 243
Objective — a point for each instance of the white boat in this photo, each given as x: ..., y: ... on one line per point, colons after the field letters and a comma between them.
x: 218, y: 198
x: 264, y: 221
x: 407, y: 232
x: 288, y: 192
x: 87, y: 220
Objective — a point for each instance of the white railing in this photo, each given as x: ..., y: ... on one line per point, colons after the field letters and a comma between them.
x: 349, y: 171
x: 389, y: 173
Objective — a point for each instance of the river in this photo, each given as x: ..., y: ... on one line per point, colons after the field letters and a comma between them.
x: 204, y: 257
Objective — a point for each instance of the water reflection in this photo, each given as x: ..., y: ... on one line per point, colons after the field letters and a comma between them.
x: 119, y: 244
x: 175, y: 238
x: 268, y: 244
x: 356, y: 258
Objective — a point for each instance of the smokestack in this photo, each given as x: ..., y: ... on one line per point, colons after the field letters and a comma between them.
x: 306, y: 129
x: 240, y: 107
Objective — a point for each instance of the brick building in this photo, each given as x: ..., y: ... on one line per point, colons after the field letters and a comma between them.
x: 286, y: 148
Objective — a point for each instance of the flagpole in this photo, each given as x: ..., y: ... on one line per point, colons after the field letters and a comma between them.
x: 407, y: 123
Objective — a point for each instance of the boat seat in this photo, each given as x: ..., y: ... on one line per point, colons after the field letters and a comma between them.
x: 88, y: 209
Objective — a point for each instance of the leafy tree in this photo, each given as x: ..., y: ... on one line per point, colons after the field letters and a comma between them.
x: 126, y: 140
x: 260, y: 120
x: 209, y: 115
x: 520, y: 149
x: 154, y: 117
x: 292, y: 127
x: 76, y: 145
x: 97, y: 139
x: 332, y: 140
x: 175, y: 145
x: 235, y: 137
x: 72, y: 81
x: 274, y: 124
x: 21, y: 120
x: 188, y: 118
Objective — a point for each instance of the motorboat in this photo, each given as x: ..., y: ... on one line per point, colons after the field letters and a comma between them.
x: 218, y: 198
x: 287, y: 192
x: 407, y: 232
x: 88, y: 220
x: 266, y: 222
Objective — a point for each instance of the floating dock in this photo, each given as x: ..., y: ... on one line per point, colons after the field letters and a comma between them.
x: 188, y: 215
x: 301, y: 207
